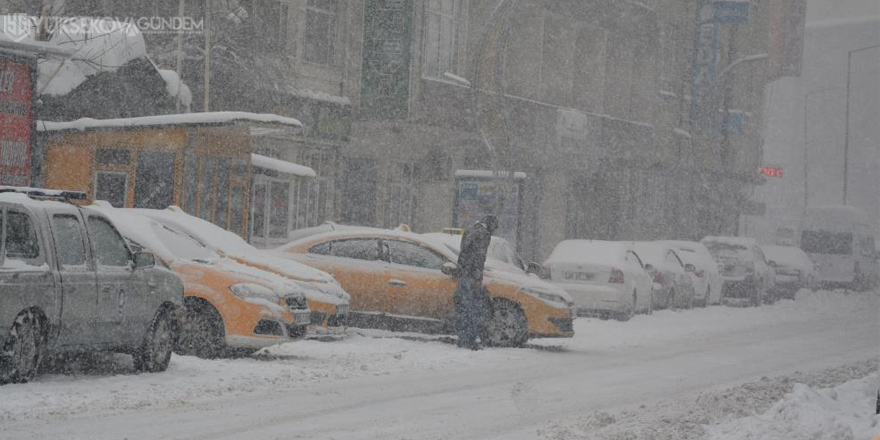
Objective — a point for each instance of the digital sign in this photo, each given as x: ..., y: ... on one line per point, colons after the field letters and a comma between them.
x: 16, y: 121
x: 772, y: 172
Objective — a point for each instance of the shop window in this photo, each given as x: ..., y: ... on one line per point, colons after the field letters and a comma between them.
x: 191, y: 184
x: 112, y: 186
x: 258, y: 207
x: 154, y: 182
x: 442, y: 37
x: 273, y: 18
x: 278, y: 212
x: 320, y: 31
x: 311, y: 196
x: 236, y: 212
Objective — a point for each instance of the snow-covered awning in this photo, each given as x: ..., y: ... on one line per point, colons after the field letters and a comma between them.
x: 268, y: 163
x: 207, y: 118
x: 489, y: 174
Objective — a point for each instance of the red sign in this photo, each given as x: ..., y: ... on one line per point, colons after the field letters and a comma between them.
x: 772, y: 172
x: 16, y: 121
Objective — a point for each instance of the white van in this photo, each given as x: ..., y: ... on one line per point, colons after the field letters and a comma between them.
x: 840, y: 241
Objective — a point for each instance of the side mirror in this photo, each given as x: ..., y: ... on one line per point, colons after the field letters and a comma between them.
x: 449, y: 269
x: 690, y: 268
x: 772, y: 264
x: 144, y: 260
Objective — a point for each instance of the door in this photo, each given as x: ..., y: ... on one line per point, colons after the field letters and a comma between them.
x: 356, y: 264
x: 117, y: 295
x: 416, y: 286
x: 78, y: 283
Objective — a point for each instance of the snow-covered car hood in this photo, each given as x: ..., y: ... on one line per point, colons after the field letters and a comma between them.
x: 529, y: 282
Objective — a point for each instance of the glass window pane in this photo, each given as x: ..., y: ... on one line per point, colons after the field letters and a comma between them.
x: 258, y: 207
x: 360, y: 249
x: 236, y: 214
x: 222, y: 193
x: 206, y: 188
x: 108, y: 245
x: 154, y: 184
x: 69, y: 244
x: 21, y: 239
x: 410, y: 254
x: 191, y: 184
x: 278, y: 209
x: 111, y: 187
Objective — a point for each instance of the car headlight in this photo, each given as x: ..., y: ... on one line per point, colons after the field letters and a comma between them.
x: 248, y: 290
x: 546, y: 296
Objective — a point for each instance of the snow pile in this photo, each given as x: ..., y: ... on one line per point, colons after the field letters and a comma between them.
x: 176, y: 88
x: 845, y: 412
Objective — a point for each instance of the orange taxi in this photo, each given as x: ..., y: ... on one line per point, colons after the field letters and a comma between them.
x: 326, y: 298
x: 227, y: 305
x: 404, y: 281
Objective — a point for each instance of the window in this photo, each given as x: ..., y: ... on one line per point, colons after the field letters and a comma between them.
x: 402, y: 187
x: 667, y: 57
x: 321, y: 249
x: 410, y: 254
x: 21, y: 239
x: 69, y: 242
x: 278, y: 209
x: 359, y: 249
x: 154, y: 182
x: 113, y: 157
x: 206, y: 189
x: 191, y: 184
x: 236, y: 214
x: 222, y: 193
x: 112, y: 187
x: 320, y: 31
x: 442, y: 37
x: 311, y: 196
x: 108, y: 245
x: 274, y: 25
x: 258, y: 207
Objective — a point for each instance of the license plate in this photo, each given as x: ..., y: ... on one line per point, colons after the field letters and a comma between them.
x: 578, y: 276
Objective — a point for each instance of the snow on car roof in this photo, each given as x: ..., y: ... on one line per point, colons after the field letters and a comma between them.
x: 25, y: 200
x: 588, y: 251
x: 228, y: 243
x: 734, y: 242
x: 358, y: 231
x: 651, y: 252
x: 787, y: 255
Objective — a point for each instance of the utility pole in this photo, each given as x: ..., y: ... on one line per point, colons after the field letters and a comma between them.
x: 207, y: 105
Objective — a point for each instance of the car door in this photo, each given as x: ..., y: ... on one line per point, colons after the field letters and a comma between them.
x: 78, y: 280
x: 642, y: 283
x: 356, y: 264
x: 115, y: 281
x: 25, y: 277
x: 416, y: 286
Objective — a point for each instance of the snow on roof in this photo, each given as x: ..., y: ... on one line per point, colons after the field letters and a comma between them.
x: 587, y: 251
x: 97, y: 45
x: 488, y: 174
x: 206, y: 118
x: 268, y: 163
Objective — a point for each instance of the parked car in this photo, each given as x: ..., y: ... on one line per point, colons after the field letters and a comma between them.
x: 501, y: 255
x: 794, y: 270
x: 404, y: 281
x: 747, y: 275
x: 676, y: 288
x: 707, y: 279
x: 604, y: 278
x: 70, y: 282
x: 327, y: 300
x: 227, y: 305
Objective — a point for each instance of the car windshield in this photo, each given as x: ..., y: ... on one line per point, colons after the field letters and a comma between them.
x: 183, y: 246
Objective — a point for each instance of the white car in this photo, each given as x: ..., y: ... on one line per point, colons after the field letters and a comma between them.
x: 675, y: 287
x: 747, y: 276
x: 603, y: 278
x: 707, y: 279
x: 794, y: 270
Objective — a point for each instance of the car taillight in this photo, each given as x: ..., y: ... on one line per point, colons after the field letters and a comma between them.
x: 616, y: 276
x: 699, y: 273
x: 658, y: 277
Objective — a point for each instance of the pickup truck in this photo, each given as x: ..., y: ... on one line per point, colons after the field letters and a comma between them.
x: 70, y: 282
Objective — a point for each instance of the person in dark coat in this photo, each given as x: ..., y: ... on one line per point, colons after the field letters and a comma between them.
x: 470, y: 298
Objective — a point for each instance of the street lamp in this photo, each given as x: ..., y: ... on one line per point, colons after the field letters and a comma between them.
x: 849, y: 55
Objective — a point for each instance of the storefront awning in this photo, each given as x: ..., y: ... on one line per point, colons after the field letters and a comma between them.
x: 268, y: 163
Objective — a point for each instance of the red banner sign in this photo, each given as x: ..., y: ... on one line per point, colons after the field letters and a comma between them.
x: 16, y: 121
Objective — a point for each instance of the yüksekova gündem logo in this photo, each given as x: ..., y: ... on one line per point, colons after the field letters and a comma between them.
x: 18, y: 27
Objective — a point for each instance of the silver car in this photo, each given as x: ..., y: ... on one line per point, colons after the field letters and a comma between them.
x: 70, y: 282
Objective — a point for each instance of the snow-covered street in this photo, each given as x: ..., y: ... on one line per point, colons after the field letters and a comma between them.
x: 377, y: 385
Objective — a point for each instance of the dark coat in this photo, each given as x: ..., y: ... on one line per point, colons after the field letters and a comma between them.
x: 474, y: 247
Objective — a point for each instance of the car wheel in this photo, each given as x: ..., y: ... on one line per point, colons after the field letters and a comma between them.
x: 507, y: 326
x: 708, y: 296
x: 201, y: 332
x: 670, y: 303
x: 23, y: 351
x: 155, y: 353
x: 756, y: 297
